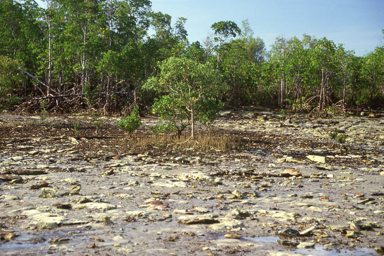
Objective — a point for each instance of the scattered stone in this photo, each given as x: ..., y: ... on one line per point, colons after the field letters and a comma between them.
x: 106, y: 220
x: 315, y: 158
x: 306, y: 245
x: 232, y: 236
x: 7, y: 236
x: 99, y: 206
x: 46, y: 225
x: 307, y: 231
x: 6, y: 177
x: 48, y: 194
x: 28, y: 172
x: 59, y: 241
x: 198, y: 219
x: 227, y: 225
x: 40, y: 185
x: 238, y: 214
x: 288, y: 243
x: 288, y: 232
x: 62, y: 206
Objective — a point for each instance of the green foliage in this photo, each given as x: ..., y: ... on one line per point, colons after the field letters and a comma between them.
x: 339, y: 138
x: 90, y: 95
x: 43, y: 111
x: 190, y: 92
x: 9, y: 77
x: 303, y: 105
x: 289, y: 101
x: 282, y: 111
x: 97, y: 123
x: 164, y: 127
x: 255, y: 46
x: 76, y: 127
x: 333, y: 134
x: 132, y: 122
x: 105, y: 46
x: 226, y: 29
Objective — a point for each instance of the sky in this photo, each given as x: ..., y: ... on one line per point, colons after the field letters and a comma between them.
x: 357, y: 24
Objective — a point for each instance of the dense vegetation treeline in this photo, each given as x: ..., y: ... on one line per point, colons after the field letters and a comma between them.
x: 102, y: 50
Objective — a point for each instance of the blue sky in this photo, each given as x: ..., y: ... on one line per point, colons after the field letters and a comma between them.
x: 355, y: 23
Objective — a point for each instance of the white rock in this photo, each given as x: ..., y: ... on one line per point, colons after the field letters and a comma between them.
x: 227, y: 225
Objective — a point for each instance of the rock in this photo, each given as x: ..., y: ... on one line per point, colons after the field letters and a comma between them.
x: 40, y: 185
x: 307, y: 231
x: 315, y: 158
x: 237, y: 214
x: 99, y: 206
x: 288, y: 232
x: 211, y: 249
x: 10, y: 197
x: 59, y: 241
x: 379, y: 249
x: 227, y: 225
x: 158, y: 204
x: 62, y: 206
x: 355, y: 225
x: 287, y: 243
x: 45, y: 193
x: 198, y: 219
x: 7, y: 236
x: 195, y: 175
x: 46, y: 225
x: 106, y: 220
x: 28, y: 172
x: 225, y: 112
x: 200, y: 209
x: 291, y: 172
x: 232, y: 236
x: 306, y: 245
x: 238, y: 194
x: 284, y: 215
x: 350, y: 234
x: 6, y: 177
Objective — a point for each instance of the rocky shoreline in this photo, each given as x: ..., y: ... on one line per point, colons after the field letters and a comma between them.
x: 294, y: 192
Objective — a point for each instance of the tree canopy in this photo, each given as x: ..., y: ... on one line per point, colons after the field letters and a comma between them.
x: 105, y: 52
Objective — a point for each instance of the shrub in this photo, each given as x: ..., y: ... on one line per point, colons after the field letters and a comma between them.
x: 132, y: 122
x: 190, y: 93
x: 9, y: 77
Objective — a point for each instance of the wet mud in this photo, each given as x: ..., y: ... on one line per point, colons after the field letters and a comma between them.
x: 288, y: 188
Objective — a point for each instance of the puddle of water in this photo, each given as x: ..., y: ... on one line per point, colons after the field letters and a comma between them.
x: 319, y: 249
x: 15, y: 246
x: 22, y: 242
x: 263, y: 239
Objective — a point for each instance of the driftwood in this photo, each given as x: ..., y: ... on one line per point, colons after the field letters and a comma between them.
x: 39, y: 81
x: 79, y: 94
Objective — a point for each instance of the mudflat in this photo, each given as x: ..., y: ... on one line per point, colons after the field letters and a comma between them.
x: 286, y: 188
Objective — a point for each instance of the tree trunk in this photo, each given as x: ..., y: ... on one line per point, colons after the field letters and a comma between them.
x: 192, y: 124
x: 83, y: 64
x: 49, y: 53
x: 281, y: 90
x: 234, y: 91
x: 218, y: 58
x: 344, y: 86
x: 321, y: 90
x: 58, y: 82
